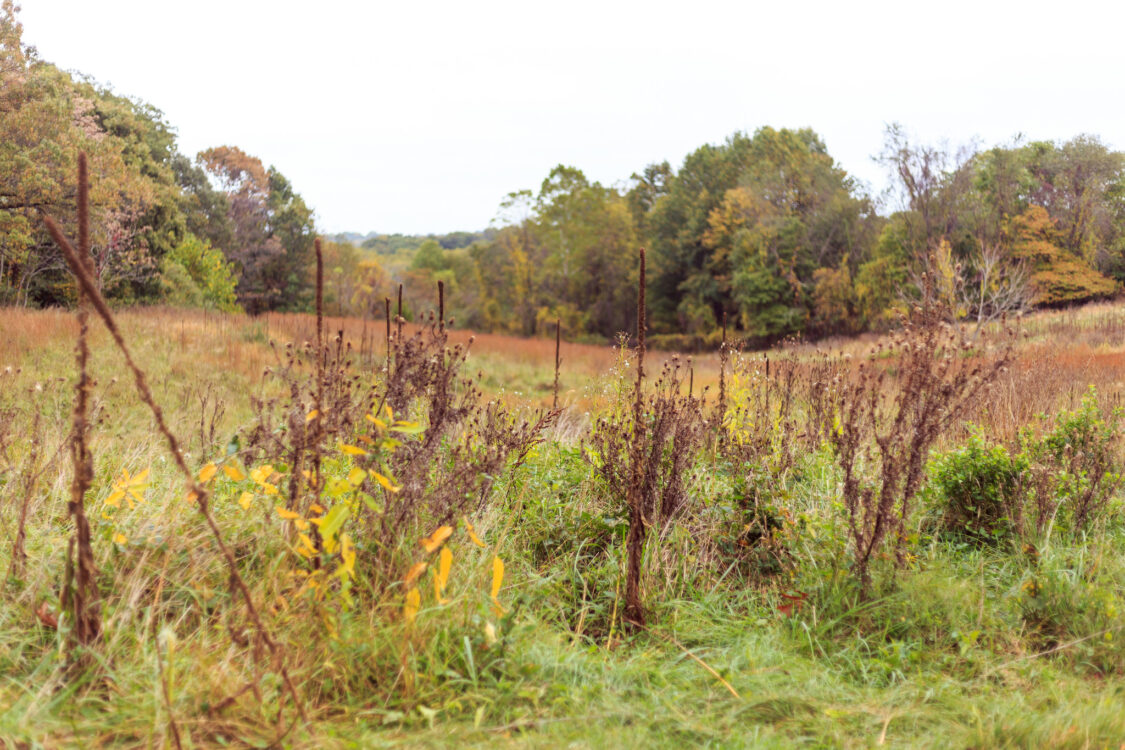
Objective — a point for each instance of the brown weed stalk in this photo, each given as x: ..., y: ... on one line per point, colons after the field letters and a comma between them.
x: 724, y: 359
x: 79, y: 596
x: 649, y: 462
x: 886, y: 423
x: 634, y: 545
x: 448, y: 470
x: 558, y: 342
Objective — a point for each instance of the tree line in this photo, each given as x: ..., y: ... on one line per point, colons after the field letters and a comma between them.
x: 763, y: 234
x: 220, y: 230
x: 767, y: 235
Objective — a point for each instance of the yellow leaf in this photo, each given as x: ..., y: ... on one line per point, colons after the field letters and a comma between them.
x: 120, y: 538
x: 207, y: 472
x: 311, y: 416
x: 386, y: 483
x: 497, y: 576
x: 497, y: 582
x: 377, y: 422
x: 390, y: 414
x: 435, y: 540
x: 473, y: 534
x: 412, y: 575
x: 351, y: 450
x: 445, y: 562
x: 128, y: 488
x: 410, y: 608
x: 347, y: 556
x: 306, y: 542
x: 287, y: 514
x: 262, y: 473
x: 233, y: 472
x: 316, y: 508
x: 269, y: 489
x: 356, y: 476
x: 192, y: 496
x: 245, y: 499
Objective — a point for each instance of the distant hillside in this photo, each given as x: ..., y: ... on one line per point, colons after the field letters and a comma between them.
x: 393, y: 244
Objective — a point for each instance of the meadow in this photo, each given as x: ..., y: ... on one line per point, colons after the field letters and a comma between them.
x: 386, y: 536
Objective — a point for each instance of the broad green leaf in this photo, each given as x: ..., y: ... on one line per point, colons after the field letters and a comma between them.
x: 408, y: 428
x: 332, y: 522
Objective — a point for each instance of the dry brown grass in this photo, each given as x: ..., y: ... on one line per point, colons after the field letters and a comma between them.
x: 1058, y: 350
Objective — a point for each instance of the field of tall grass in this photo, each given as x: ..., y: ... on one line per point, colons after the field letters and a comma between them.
x: 285, y: 531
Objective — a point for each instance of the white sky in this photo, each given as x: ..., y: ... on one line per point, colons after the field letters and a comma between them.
x: 419, y: 117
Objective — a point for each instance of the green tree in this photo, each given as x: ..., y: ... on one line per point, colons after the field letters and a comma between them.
x: 794, y: 213
x: 589, y: 241
x: 429, y: 256
x: 211, y: 277
x: 1081, y: 184
x: 682, y: 284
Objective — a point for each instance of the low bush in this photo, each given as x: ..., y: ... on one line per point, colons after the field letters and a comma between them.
x: 1061, y: 478
x: 981, y: 487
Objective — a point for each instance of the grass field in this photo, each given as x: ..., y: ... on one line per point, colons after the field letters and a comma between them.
x: 1014, y: 640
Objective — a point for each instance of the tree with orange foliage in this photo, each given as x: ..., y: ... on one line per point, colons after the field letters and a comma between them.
x: 1058, y: 277
x: 273, y: 231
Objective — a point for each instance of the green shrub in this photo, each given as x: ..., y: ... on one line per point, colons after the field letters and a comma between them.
x: 178, y: 289
x: 1083, y: 451
x: 1063, y: 477
x: 194, y: 274
x: 981, y: 489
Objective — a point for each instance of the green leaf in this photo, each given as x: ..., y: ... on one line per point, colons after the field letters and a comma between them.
x: 332, y: 522
x: 335, y: 488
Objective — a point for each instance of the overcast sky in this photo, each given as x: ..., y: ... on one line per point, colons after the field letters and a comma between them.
x: 416, y: 117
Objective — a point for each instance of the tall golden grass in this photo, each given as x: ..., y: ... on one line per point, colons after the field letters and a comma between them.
x: 1058, y: 349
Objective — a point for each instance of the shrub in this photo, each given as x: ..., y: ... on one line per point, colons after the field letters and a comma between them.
x: 981, y: 489
x: 1064, y: 477
x: 1083, y: 448
x: 197, y: 275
